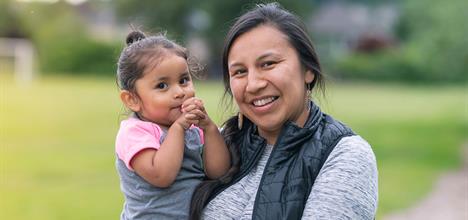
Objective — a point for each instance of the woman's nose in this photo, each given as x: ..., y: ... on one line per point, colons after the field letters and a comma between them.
x: 255, y: 82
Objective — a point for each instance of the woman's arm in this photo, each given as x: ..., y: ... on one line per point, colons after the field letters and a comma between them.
x: 347, y: 185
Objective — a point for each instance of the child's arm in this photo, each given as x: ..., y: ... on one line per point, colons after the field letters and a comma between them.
x: 160, y: 167
x: 216, y: 157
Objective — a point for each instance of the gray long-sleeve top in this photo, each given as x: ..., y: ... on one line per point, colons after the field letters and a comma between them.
x: 346, y: 187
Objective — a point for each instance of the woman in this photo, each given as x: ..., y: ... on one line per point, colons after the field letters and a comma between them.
x: 289, y: 160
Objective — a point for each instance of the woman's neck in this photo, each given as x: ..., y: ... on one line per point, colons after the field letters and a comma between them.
x: 272, y: 135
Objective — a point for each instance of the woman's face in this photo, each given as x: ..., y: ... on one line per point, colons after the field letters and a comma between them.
x: 268, y: 81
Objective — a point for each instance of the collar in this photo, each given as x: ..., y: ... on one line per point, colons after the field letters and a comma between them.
x: 289, y: 138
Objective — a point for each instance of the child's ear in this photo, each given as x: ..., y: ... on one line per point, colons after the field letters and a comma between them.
x: 130, y: 100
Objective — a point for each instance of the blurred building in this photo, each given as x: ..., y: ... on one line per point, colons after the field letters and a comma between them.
x: 338, y: 27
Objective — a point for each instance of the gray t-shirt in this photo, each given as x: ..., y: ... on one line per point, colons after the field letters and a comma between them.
x: 144, y: 201
x: 345, y: 188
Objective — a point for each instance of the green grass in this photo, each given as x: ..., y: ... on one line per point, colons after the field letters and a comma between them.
x: 57, y: 141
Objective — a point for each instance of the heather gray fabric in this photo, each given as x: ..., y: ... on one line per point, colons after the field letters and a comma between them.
x: 144, y: 201
x: 346, y: 187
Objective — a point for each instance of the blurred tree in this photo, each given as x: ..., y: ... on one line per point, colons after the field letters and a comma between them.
x: 11, y: 24
x: 435, y: 37
x: 433, y: 46
x: 180, y: 17
x: 174, y: 15
x: 62, y: 40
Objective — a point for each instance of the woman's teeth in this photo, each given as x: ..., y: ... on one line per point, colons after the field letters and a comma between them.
x: 262, y: 102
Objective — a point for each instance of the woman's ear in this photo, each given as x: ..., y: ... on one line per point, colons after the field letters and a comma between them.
x: 130, y: 100
x: 309, y: 77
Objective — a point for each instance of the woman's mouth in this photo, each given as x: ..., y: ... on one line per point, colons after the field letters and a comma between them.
x: 264, y: 101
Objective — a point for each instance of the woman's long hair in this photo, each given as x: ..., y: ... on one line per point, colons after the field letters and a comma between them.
x: 291, y: 26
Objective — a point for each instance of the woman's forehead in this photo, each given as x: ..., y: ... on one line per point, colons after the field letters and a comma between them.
x: 258, y: 42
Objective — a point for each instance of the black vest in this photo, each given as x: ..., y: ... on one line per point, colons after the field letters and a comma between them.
x: 294, y: 163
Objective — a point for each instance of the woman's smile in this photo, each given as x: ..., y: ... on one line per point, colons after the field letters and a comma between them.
x: 263, y: 101
x: 267, y: 80
x: 263, y: 105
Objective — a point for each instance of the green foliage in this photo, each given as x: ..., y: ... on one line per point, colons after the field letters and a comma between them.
x: 62, y: 40
x: 11, y: 24
x: 386, y: 65
x: 174, y: 16
x: 80, y: 56
x: 433, y: 47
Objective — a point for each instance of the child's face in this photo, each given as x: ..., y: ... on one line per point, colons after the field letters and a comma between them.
x: 163, y: 89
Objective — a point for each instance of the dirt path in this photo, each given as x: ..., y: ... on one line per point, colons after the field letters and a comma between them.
x: 447, y: 201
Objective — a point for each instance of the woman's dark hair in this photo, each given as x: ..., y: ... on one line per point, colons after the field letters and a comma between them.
x: 291, y: 26
x: 142, y: 53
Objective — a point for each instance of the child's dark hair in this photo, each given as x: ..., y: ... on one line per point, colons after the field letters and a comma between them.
x: 142, y: 53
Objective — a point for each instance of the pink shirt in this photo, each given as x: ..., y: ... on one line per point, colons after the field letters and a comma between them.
x: 136, y: 135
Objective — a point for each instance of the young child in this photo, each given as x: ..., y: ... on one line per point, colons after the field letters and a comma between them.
x: 159, y: 147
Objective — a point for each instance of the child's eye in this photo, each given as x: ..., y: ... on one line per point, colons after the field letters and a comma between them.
x: 184, y: 80
x: 161, y: 86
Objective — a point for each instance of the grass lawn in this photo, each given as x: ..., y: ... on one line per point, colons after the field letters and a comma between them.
x: 57, y: 141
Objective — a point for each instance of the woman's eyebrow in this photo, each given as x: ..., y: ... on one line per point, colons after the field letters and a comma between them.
x: 263, y: 56
x: 268, y: 54
x: 235, y: 64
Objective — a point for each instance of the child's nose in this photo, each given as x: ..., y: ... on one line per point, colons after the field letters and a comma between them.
x: 179, y: 93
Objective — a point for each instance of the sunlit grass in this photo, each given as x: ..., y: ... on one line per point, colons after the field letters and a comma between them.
x: 57, y: 141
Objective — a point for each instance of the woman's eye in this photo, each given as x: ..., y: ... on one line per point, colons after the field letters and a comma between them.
x: 268, y: 64
x: 161, y: 86
x: 239, y: 71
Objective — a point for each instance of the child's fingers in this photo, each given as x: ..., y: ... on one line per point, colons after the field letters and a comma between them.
x: 189, y: 101
x: 190, y: 119
x: 195, y: 115
x: 193, y: 122
x: 193, y: 100
x: 200, y: 114
x: 192, y: 106
x: 189, y: 107
x: 201, y: 107
x: 199, y: 103
x: 191, y: 116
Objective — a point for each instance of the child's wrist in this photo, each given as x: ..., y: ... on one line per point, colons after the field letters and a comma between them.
x: 179, y: 126
x: 211, y: 126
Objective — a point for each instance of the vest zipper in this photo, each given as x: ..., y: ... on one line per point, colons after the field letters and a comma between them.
x: 263, y: 174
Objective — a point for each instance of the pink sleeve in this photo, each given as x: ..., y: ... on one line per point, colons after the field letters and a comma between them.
x: 134, y: 136
x: 202, y: 135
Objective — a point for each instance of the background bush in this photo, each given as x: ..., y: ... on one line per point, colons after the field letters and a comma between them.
x: 433, y: 47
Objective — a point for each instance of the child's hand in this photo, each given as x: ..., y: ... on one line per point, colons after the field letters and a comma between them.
x: 188, y: 117
x: 194, y: 107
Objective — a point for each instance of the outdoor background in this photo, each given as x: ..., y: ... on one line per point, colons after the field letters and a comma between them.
x: 396, y: 73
